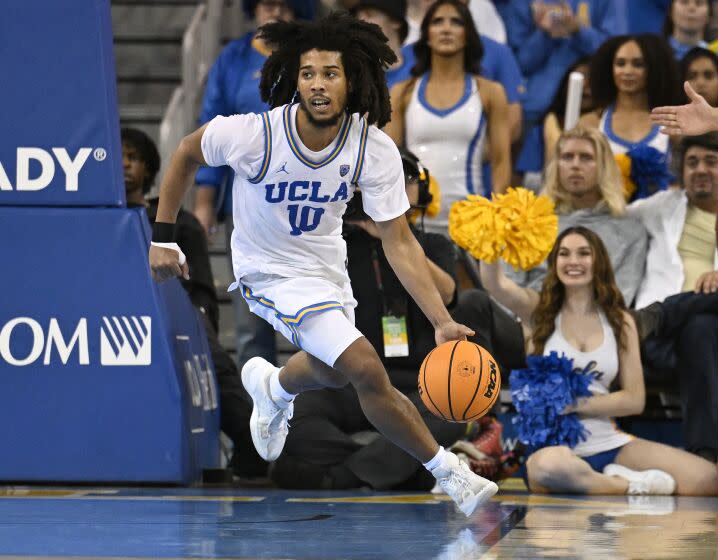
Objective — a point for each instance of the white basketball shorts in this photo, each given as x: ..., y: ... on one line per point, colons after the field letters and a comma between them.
x: 313, y: 313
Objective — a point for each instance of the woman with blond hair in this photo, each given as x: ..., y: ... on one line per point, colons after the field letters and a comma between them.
x: 584, y: 182
x: 579, y: 313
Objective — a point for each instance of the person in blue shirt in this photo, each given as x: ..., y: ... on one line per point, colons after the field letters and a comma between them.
x: 390, y: 15
x: 686, y: 25
x: 548, y: 38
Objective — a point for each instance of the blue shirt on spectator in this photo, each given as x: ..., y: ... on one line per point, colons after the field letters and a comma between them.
x: 647, y: 16
x: 680, y: 49
x: 403, y: 72
x: 544, y: 60
x: 232, y: 88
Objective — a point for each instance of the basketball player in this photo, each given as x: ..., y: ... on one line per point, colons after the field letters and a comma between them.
x: 295, y: 168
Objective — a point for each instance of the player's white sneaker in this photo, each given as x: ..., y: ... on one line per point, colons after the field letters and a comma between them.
x: 465, y: 487
x: 269, y: 423
x: 641, y: 483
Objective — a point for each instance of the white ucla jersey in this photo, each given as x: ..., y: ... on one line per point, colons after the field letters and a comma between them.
x: 288, y: 201
x: 449, y: 143
x: 653, y: 139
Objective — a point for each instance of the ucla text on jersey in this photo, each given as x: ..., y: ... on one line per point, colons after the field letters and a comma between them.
x: 303, y: 217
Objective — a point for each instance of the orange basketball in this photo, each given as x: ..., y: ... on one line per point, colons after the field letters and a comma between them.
x: 459, y: 381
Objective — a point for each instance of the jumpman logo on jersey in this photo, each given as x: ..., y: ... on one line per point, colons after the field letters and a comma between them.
x: 283, y: 167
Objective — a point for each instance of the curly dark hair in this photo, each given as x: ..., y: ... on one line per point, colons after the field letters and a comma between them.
x: 147, y: 151
x: 662, y: 85
x: 365, y: 56
x: 473, y: 51
x: 605, y: 291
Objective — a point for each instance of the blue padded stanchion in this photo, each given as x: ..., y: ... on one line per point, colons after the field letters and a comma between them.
x: 60, y: 141
x: 104, y: 375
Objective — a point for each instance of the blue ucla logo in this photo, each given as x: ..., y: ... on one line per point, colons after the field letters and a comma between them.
x: 303, y: 218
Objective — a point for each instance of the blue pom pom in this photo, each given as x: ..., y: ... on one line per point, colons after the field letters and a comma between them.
x: 540, y: 393
x: 649, y: 171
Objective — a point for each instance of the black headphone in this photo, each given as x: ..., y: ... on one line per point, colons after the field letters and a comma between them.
x: 414, y: 169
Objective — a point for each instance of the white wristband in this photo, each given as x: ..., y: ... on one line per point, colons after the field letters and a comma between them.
x: 174, y: 247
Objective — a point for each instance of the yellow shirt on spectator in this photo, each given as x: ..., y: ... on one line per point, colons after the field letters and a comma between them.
x: 697, y: 245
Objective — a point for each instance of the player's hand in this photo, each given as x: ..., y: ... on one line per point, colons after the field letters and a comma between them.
x: 166, y: 262
x: 695, y: 118
x: 707, y: 283
x: 452, y: 331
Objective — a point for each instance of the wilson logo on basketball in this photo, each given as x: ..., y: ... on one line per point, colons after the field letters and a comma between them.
x: 492, y: 381
x: 465, y: 369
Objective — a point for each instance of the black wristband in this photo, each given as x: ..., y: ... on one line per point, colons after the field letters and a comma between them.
x: 163, y: 232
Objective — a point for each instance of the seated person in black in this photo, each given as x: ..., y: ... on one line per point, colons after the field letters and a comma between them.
x: 141, y: 162
x: 331, y: 443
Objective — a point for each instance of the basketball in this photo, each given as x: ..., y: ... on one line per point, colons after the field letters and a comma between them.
x: 459, y: 381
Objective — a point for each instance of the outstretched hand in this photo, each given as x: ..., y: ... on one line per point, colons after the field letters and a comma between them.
x: 452, y: 331
x: 698, y: 117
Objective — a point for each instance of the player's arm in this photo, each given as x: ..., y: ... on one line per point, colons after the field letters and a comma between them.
x: 409, y: 262
x: 166, y: 262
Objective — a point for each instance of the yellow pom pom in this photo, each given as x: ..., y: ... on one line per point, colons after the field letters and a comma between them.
x: 472, y: 226
x: 529, y: 227
x: 624, y: 166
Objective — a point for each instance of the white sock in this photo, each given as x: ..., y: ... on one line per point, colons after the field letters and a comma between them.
x: 436, y: 461
x: 277, y: 392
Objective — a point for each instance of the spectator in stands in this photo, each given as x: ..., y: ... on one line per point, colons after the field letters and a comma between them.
x: 686, y: 25
x: 629, y: 76
x: 548, y: 38
x: 553, y: 123
x: 682, y: 257
x: 580, y: 313
x: 498, y: 63
x: 390, y: 15
x: 699, y: 67
x: 584, y: 182
x: 141, y: 162
x: 331, y: 443
x: 442, y: 112
x: 487, y: 20
x: 233, y: 88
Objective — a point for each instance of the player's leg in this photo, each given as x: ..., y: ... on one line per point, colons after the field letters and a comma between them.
x: 389, y: 411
